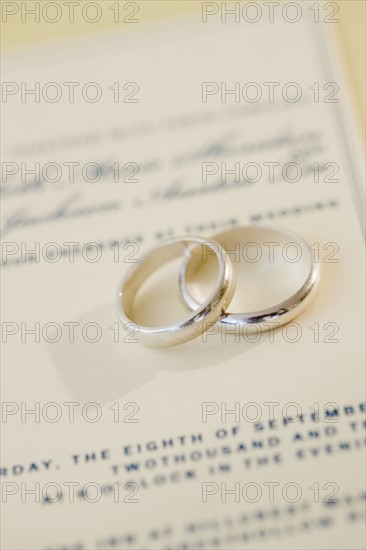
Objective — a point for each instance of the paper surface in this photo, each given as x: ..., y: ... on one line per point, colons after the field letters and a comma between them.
x: 153, y: 433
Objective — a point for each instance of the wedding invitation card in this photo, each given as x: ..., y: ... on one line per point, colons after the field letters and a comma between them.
x: 115, y: 143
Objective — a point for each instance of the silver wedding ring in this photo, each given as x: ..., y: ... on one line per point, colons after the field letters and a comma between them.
x: 203, y: 315
x: 279, y: 313
x: 197, y: 252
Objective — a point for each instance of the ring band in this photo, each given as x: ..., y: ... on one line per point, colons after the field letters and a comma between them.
x: 278, y: 314
x: 203, y: 316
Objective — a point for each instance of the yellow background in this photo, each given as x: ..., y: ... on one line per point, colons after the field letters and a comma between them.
x: 350, y: 31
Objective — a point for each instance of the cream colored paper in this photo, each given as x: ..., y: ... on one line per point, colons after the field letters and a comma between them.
x: 169, y: 132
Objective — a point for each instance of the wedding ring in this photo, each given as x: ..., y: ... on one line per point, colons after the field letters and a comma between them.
x: 203, y: 315
x: 268, y: 317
